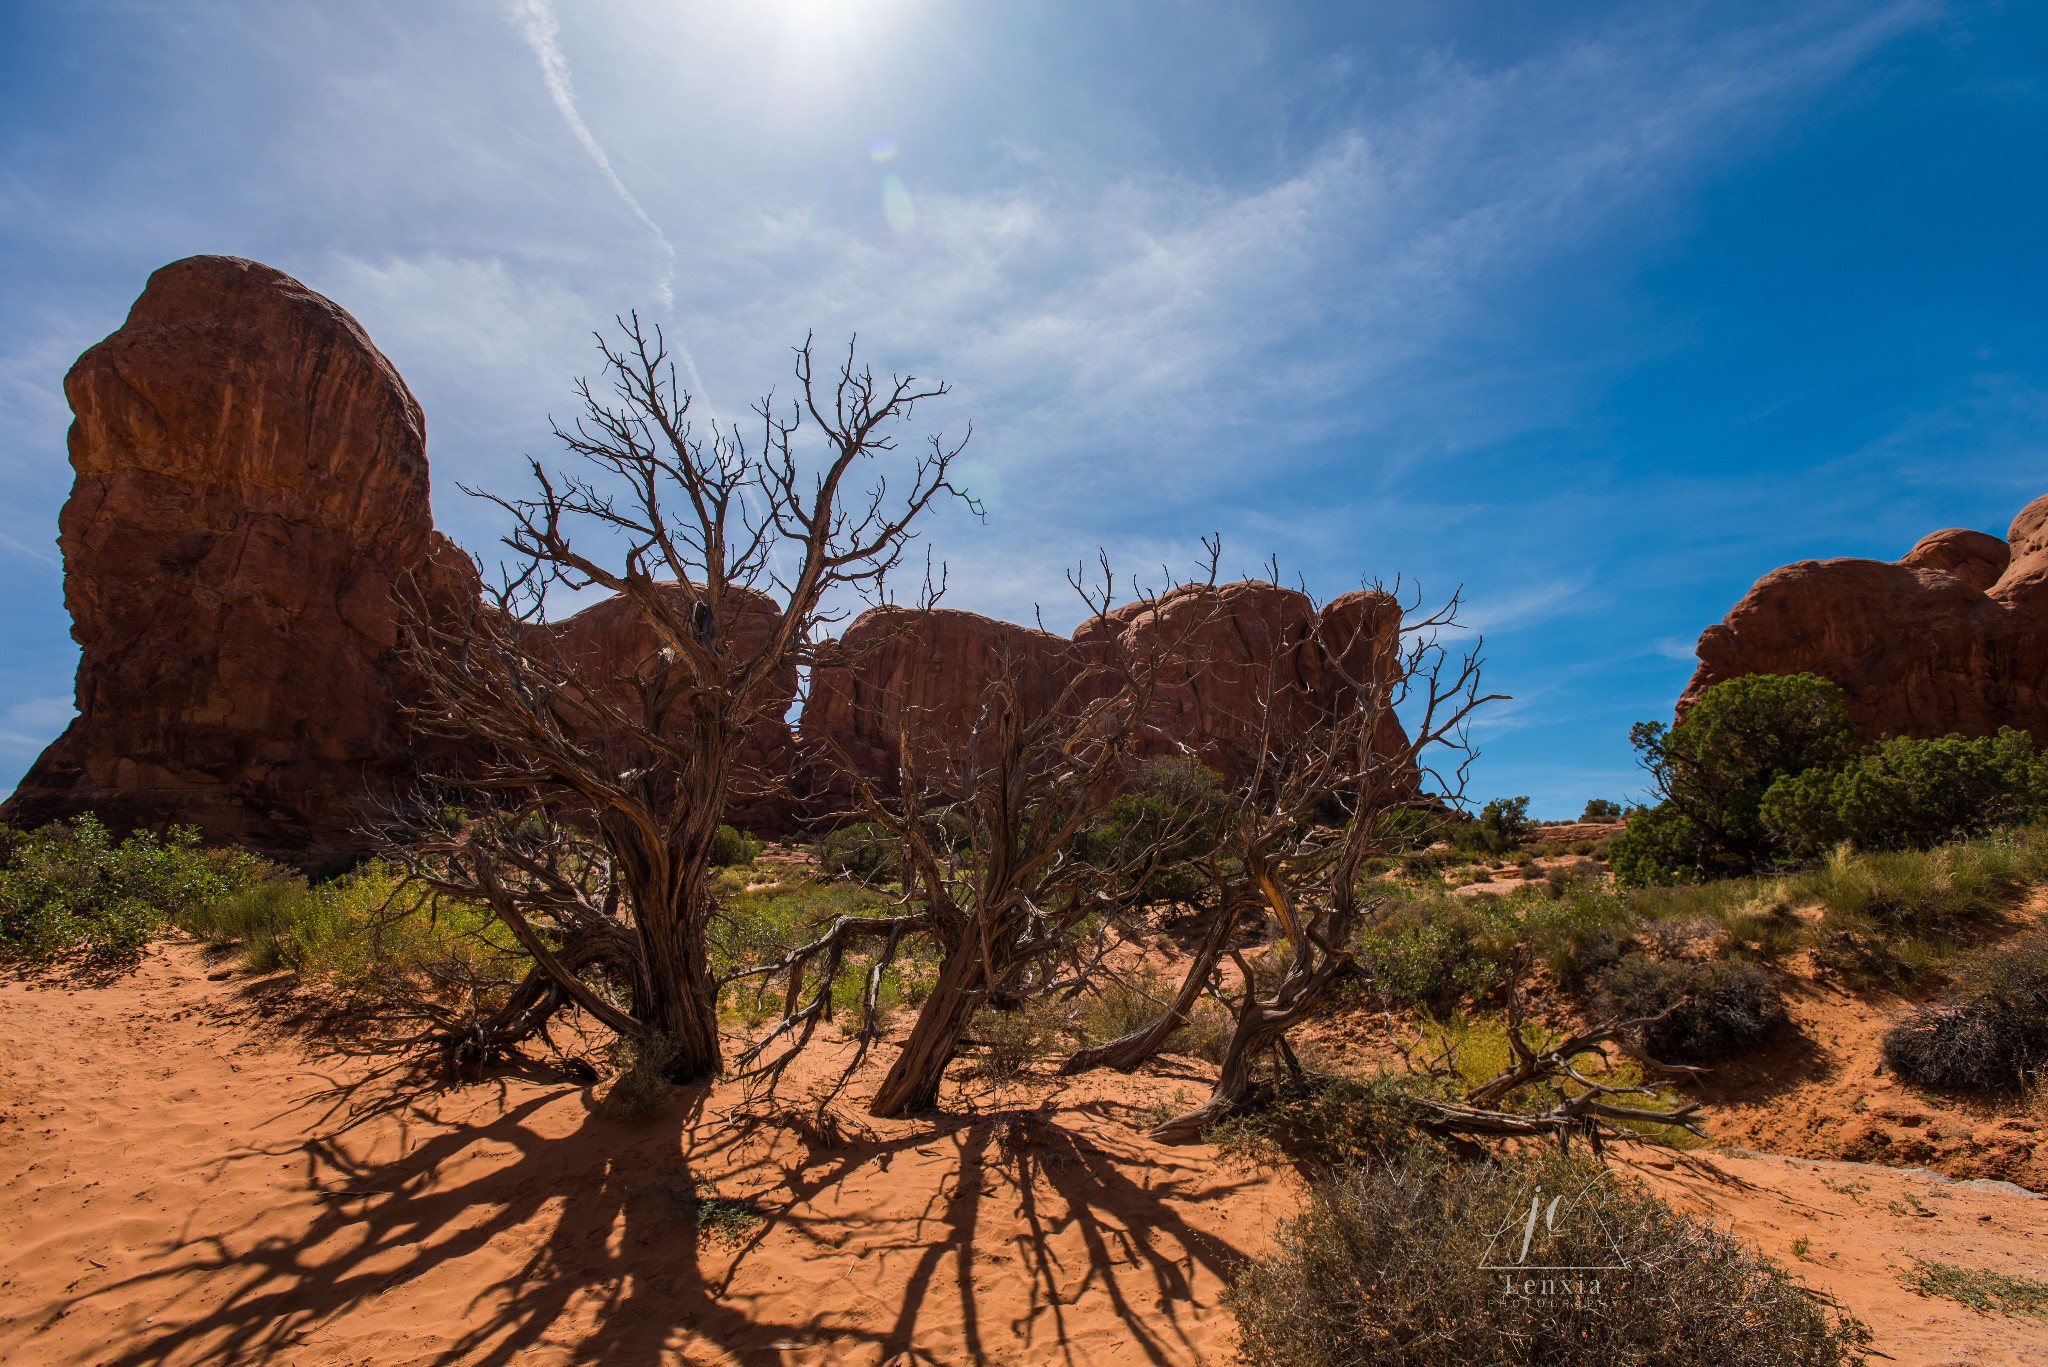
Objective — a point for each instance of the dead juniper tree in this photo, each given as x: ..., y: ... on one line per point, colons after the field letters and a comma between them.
x: 1329, y: 793
x: 988, y: 824
x: 598, y: 756
x: 1580, y: 1102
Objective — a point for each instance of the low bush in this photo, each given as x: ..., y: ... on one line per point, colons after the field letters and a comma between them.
x: 1205, y: 1035
x: 1423, y: 864
x: 640, y: 1087
x: 1421, y: 1262
x: 1433, y: 960
x: 1601, y: 809
x: 864, y: 851
x: 1990, y: 1034
x: 1011, y: 1041
x: 1718, y: 1009
x: 1118, y: 1006
x: 70, y: 890
x: 732, y: 847
x: 1329, y: 1123
x: 1500, y: 826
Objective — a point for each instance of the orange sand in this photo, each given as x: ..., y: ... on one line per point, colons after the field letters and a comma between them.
x: 189, y: 1185
x: 189, y: 1182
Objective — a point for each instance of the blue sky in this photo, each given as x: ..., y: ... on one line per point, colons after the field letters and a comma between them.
x: 1600, y: 311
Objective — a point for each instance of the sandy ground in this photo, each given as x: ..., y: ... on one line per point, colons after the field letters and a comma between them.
x: 187, y: 1183
x: 1863, y: 1226
x: 1822, y: 1092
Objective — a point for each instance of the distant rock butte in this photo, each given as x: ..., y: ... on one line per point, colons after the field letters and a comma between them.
x: 895, y: 674
x: 251, y: 493
x: 1951, y: 638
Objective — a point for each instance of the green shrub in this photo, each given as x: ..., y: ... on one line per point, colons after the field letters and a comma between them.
x: 367, y: 934
x: 751, y: 928
x: 1416, y: 1263
x: 1176, y: 804
x: 1661, y: 846
x: 1433, y: 963
x: 732, y: 847
x: 1719, y: 1009
x: 1714, y: 767
x: 1990, y: 1034
x: 864, y: 851
x: 1501, y: 825
x: 70, y: 890
x: 1601, y: 809
x: 1904, y: 794
x: 1423, y: 864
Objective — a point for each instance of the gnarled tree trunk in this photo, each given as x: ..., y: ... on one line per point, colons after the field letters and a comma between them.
x: 1128, y: 1052
x: 912, y: 1084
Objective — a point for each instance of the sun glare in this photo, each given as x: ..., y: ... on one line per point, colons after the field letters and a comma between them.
x: 825, y: 30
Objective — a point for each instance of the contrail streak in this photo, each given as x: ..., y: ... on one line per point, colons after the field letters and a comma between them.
x: 535, y: 20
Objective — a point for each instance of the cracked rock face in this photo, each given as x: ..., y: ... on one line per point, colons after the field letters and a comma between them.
x: 1951, y: 638
x: 251, y: 486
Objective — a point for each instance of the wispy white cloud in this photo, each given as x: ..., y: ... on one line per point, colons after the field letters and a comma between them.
x: 1150, y: 347
x: 536, y: 22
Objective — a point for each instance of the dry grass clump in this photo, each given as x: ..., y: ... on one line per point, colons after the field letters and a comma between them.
x: 1120, y: 1005
x: 1990, y: 1034
x: 1717, y: 1009
x: 640, y: 1088
x: 1421, y: 1262
x: 1894, y: 918
x: 1984, y: 1291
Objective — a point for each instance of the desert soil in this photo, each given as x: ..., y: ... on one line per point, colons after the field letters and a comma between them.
x: 190, y: 1181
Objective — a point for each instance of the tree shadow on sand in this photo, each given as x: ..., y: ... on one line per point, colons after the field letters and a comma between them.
x: 608, y: 1215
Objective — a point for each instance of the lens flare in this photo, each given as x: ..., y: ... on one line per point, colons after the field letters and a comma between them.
x: 881, y: 150
x: 898, y: 207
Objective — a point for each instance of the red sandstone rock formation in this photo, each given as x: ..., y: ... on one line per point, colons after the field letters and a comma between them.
x: 252, y: 493
x: 610, y: 642
x: 251, y: 486
x: 1951, y: 638
x: 896, y: 672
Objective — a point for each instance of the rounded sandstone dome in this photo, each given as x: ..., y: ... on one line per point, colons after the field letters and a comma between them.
x: 1976, y: 558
